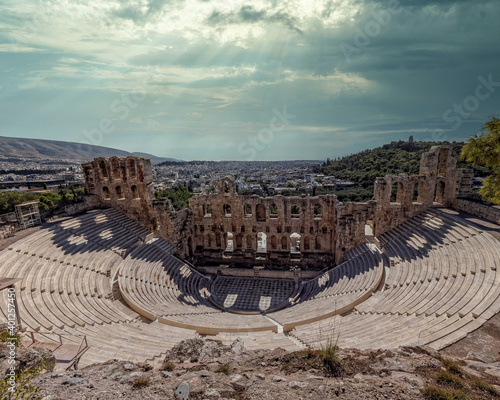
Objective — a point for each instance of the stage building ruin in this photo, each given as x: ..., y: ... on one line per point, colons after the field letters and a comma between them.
x: 304, y: 231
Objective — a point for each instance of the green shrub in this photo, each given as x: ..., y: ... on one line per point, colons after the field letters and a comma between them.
x: 485, y: 387
x: 437, y: 393
x: 167, y: 366
x: 331, y: 360
x: 22, y: 390
x: 224, y: 369
x: 449, y: 379
x: 141, y: 381
x: 5, y: 336
x: 452, y: 366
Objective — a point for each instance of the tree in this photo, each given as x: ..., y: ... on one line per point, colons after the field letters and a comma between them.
x: 484, y: 149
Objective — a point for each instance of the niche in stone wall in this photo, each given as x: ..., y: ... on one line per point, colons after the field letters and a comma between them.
x: 135, y: 192
x: 105, y: 193
x: 239, y: 241
x: 274, y: 242
x: 307, y: 243
x: 273, y: 211
x: 119, y: 192
x: 103, y: 170
x: 284, y: 243
x: 317, y: 210
x: 248, y: 210
x: 439, y: 193
x: 260, y: 212
x: 227, y: 210
x: 295, y: 211
x: 249, y: 241
x: 115, y: 168
x: 131, y: 169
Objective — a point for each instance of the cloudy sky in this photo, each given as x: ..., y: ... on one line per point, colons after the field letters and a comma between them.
x: 248, y: 80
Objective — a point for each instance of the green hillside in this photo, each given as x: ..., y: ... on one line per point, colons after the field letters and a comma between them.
x: 394, y: 158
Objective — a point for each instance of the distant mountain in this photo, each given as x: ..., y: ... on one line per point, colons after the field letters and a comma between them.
x: 55, y: 149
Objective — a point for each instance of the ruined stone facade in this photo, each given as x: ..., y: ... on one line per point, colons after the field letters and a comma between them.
x: 263, y: 230
x: 226, y: 228
x: 125, y: 184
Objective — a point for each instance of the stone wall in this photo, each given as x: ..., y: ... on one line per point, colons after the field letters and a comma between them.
x: 125, y: 183
x: 277, y: 230
x: 259, y: 273
x: 436, y: 184
x: 490, y: 213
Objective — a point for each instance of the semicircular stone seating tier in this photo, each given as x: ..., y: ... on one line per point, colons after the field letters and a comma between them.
x: 443, y: 282
x: 161, y: 287
x: 437, y: 279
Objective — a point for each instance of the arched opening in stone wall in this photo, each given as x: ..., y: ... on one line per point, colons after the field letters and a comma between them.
x: 207, y: 210
x: 317, y: 210
x: 317, y: 245
x: 239, y: 241
x: 260, y: 212
x: 414, y: 197
x: 248, y: 210
x: 227, y: 210
x: 131, y: 169
x: 103, y: 169
x: 274, y: 242
x: 226, y: 186
x: 218, y: 240
x: 249, y: 241
x: 295, y: 210
x: 396, y: 192
x: 295, y: 243
x: 284, y: 243
x: 88, y: 173
x: 229, y: 242
x: 440, y: 189
x: 261, y: 242
x: 135, y: 192
x: 307, y: 243
x: 273, y: 211
x: 115, y: 168
x: 119, y: 192
x: 105, y: 193
x: 209, y: 240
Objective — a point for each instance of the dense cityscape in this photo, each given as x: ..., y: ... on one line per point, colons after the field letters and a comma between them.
x: 261, y: 178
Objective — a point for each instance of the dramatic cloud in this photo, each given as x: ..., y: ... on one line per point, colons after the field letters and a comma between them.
x: 199, y: 79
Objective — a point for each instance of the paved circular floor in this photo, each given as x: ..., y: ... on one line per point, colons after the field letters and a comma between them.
x: 252, y: 294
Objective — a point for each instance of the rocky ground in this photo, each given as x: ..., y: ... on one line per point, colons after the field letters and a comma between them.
x: 199, y: 369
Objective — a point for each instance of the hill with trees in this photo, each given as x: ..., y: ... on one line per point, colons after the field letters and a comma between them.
x: 394, y: 158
